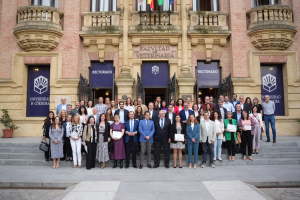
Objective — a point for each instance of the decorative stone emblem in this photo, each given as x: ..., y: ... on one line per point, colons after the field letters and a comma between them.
x: 124, y: 97
x: 155, y: 70
x: 40, y: 84
x: 269, y: 82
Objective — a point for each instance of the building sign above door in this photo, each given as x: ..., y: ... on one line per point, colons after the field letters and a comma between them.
x: 155, y: 52
x: 208, y: 75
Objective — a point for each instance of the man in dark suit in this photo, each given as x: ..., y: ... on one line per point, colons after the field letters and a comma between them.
x: 131, y: 139
x: 221, y: 110
x: 170, y: 115
x: 237, y: 116
x: 234, y: 100
x: 153, y: 113
x: 244, y: 105
x: 162, y: 137
x: 123, y: 113
x: 184, y: 114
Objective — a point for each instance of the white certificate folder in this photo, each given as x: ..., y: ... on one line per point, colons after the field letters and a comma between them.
x: 179, y: 137
x: 117, y: 134
x: 231, y: 128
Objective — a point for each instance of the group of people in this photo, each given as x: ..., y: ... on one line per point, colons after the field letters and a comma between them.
x: 119, y: 130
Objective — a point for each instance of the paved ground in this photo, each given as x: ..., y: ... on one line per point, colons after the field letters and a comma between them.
x: 19, y: 194
x: 282, y: 193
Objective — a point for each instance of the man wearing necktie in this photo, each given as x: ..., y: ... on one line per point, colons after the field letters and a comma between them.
x: 131, y: 139
x: 184, y: 114
x: 162, y: 138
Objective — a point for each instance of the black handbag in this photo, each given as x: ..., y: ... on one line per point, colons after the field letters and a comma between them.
x: 44, y: 146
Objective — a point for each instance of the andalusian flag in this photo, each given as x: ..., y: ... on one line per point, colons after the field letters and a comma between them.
x: 160, y: 2
x: 151, y: 2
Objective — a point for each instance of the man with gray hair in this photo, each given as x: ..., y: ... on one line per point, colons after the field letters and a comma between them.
x: 269, y: 110
x: 244, y: 105
x: 95, y: 114
x: 62, y: 106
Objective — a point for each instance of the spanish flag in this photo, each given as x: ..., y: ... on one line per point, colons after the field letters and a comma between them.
x: 151, y: 2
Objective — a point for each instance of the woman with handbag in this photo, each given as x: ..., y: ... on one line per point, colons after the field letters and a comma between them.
x: 245, y: 124
x: 257, y: 128
x: 56, y: 134
x: 46, y: 126
x: 230, y: 136
x: 67, y: 144
x: 75, y: 133
x: 103, y: 131
x: 177, y: 146
x: 89, y: 138
x: 219, y: 126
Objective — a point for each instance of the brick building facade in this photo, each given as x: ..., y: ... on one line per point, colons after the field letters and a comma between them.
x: 71, y: 38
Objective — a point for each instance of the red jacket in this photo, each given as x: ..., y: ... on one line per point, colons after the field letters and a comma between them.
x: 212, y: 106
x: 176, y: 109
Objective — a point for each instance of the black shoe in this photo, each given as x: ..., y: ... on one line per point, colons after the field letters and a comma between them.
x: 274, y: 140
x: 115, y: 164
x: 149, y: 166
x: 180, y: 167
x: 167, y: 166
x: 126, y: 166
x: 174, y: 166
x: 156, y: 166
x: 268, y: 140
x: 47, y: 159
x: 134, y: 166
x: 121, y: 164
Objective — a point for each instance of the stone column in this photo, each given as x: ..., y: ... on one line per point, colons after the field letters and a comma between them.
x: 125, y: 81
x: 186, y: 81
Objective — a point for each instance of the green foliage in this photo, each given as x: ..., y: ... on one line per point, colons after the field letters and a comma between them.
x: 7, y: 121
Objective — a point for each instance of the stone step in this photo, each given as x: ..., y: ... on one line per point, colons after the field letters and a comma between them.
x: 279, y: 144
x: 20, y: 145
x: 19, y: 150
x: 38, y: 162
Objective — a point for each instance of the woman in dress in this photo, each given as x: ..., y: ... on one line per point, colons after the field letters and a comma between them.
x: 128, y: 105
x: 67, y: 144
x: 230, y: 136
x: 259, y: 110
x: 248, y: 101
x: 46, y: 126
x: 193, y: 132
x: 178, y: 106
x: 164, y: 106
x: 62, y: 116
x: 208, y: 109
x: 119, y: 146
x: 103, y: 137
x: 113, y: 107
x: 109, y: 116
x: 257, y: 128
x: 246, y: 134
x: 75, y: 133
x: 177, y: 146
x: 139, y: 113
x: 195, y: 109
x: 199, y: 102
x: 107, y: 102
x: 89, y: 108
x: 89, y: 138
x: 56, y: 134
x: 219, y: 127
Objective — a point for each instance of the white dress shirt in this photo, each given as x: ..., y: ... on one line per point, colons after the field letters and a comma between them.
x: 64, y: 107
x: 151, y: 112
x: 192, y: 125
x: 121, y: 113
x: 130, y: 124
x: 171, y: 117
x: 207, y: 127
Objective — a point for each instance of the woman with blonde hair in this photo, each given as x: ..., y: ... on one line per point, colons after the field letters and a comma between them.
x: 62, y: 116
x: 75, y: 133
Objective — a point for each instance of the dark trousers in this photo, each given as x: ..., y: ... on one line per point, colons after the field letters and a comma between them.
x: 247, y: 139
x: 231, y: 145
x: 157, y: 147
x: 210, y: 148
x: 128, y: 146
x: 91, y: 154
x: 68, y: 148
x: 48, y: 153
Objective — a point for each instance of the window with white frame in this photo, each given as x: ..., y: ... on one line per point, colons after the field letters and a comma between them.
x: 264, y: 2
x: 142, y: 4
x: 103, y: 5
x: 51, y: 3
x: 206, y: 5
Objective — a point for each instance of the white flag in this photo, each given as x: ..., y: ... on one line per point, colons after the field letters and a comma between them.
x: 140, y: 2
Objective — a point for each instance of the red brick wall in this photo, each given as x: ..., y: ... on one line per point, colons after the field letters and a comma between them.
x: 287, y: 2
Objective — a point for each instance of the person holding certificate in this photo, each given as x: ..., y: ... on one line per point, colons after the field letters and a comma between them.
x: 193, y: 133
x: 230, y: 126
x: 219, y: 125
x: 245, y: 124
x: 116, y: 132
x: 178, y: 134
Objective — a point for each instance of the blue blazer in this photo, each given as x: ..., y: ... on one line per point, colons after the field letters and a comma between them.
x: 59, y: 108
x: 193, y: 133
x: 235, y: 104
x: 144, y: 131
x: 135, y: 128
x: 246, y: 107
x: 182, y: 115
x: 225, y: 112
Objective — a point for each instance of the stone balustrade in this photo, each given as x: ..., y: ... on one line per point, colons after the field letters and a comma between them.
x: 271, y: 27
x: 208, y: 20
x: 38, y: 27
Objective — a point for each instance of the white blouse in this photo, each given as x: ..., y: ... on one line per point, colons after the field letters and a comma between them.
x: 129, y: 108
x: 89, y: 111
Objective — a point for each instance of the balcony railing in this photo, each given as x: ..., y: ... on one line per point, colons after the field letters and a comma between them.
x: 101, y: 21
x: 279, y: 14
x: 155, y: 18
x: 209, y: 20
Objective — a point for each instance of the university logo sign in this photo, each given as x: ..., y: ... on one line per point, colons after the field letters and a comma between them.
x: 40, y: 84
x: 269, y: 82
x: 155, y: 69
